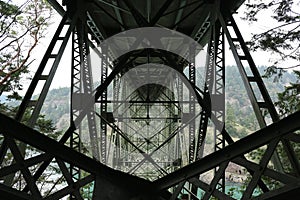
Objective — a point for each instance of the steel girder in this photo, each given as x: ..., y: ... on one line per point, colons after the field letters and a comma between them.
x: 103, y: 108
x: 269, y: 136
x: 260, y: 101
x: 105, y: 182
x: 41, y: 77
x: 50, y: 149
x: 215, y: 80
x: 76, y: 88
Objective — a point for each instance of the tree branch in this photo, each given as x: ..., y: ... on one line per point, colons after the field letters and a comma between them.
x: 34, y: 33
x: 13, y: 20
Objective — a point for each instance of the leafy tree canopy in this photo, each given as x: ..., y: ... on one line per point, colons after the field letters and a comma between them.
x: 22, y: 25
x: 281, y: 39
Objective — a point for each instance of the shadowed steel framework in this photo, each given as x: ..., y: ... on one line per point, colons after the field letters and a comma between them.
x: 141, y: 107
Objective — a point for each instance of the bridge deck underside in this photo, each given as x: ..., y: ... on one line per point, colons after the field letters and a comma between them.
x: 140, y: 133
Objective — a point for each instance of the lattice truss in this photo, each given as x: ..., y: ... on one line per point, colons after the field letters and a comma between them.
x: 138, y: 132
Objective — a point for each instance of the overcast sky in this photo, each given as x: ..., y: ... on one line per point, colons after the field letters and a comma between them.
x: 62, y: 77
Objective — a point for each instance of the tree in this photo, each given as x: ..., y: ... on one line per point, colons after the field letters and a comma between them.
x: 283, y: 40
x: 44, y: 126
x: 22, y: 26
x: 288, y: 100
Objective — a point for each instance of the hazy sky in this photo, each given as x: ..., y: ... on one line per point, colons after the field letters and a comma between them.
x: 62, y: 77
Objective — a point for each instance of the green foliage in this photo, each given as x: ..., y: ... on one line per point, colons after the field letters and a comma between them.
x: 22, y: 25
x: 231, y: 191
x: 282, y: 40
x: 240, y: 118
x: 289, y: 100
x: 46, y: 127
x: 281, y: 37
x: 230, y: 119
x: 7, y: 9
x: 270, y: 71
x: 43, y: 125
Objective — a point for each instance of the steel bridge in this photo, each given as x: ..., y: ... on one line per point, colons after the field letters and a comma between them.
x: 141, y: 106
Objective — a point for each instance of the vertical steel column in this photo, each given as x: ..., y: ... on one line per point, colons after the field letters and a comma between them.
x: 215, y: 83
x: 202, y: 130
x: 192, y: 124
x: 103, y: 105
x: 180, y: 113
x: 76, y: 91
x: 206, y: 26
x: 218, y: 96
x: 81, y: 89
x: 127, y: 162
x: 116, y: 136
x: 87, y: 82
x: 171, y: 123
x: 192, y: 79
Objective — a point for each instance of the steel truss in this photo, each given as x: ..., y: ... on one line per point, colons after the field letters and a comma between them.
x: 261, y: 101
x: 219, y: 93
x: 235, y: 153
x: 97, y: 173
x: 103, y: 107
x: 78, y: 176
x: 215, y: 80
x: 96, y: 178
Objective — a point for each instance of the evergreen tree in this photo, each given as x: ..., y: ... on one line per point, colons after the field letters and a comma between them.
x: 289, y: 100
x: 283, y: 39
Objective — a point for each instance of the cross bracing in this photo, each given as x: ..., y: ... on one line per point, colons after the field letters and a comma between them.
x: 144, y: 112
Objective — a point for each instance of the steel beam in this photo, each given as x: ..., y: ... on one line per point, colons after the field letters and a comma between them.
x: 47, y: 79
x: 218, y: 95
x: 11, y: 128
x: 192, y: 111
x: 114, y: 6
x: 255, y: 79
x: 239, y: 148
x: 108, y: 180
x: 112, y: 17
x: 160, y: 12
x: 37, y: 77
x: 138, y: 17
x: 187, y: 15
x: 10, y: 193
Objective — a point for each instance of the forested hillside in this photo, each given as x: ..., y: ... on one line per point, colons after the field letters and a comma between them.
x: 240, y: 119
x: 57, y: 107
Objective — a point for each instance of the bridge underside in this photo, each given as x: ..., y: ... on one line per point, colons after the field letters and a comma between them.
x: 147, y: 87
